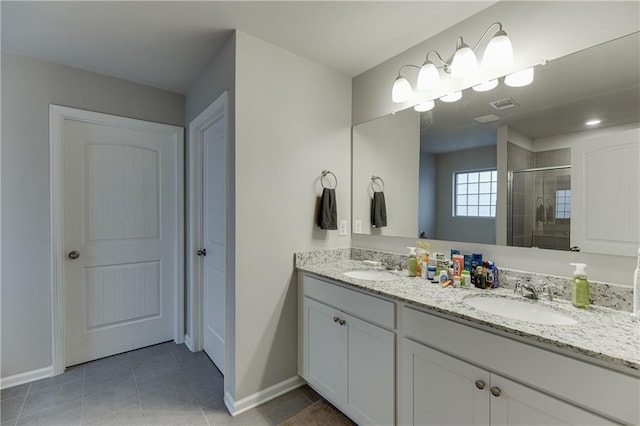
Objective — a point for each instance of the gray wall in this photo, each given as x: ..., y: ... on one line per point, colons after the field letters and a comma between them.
x: 219, y: 76
x: 455, y: 228
x: 28, y: 87
x: 427, y: 195
x: 292, y: 121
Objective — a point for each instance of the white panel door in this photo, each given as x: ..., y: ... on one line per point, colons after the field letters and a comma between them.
x: 119, y: 215
x: 605, y: 180
x: 214, y: 240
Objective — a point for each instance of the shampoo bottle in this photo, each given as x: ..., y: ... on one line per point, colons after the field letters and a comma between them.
x: 412, y: 262
x: 580, y: 286
x: 636, y: 289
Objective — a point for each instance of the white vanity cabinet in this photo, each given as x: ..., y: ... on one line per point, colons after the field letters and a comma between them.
x: 442, y: 389
x: 450, y: 373
x: 347, y: 349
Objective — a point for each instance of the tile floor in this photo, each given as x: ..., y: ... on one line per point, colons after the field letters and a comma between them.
x: 164, y: 384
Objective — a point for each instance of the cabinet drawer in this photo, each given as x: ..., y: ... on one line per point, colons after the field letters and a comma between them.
x: 595, y: 388
x: 361, y: 305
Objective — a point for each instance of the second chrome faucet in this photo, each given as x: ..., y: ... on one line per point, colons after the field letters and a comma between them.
x: 533, y: 292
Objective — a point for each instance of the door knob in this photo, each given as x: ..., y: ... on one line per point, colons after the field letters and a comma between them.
x: 73, y: 255
x: 202, y: 252
x: 480, y: 384
x: 336, y: 319
x: 495, y: 391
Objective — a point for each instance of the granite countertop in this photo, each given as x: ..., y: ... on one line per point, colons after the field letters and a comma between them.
x: 609, y: 337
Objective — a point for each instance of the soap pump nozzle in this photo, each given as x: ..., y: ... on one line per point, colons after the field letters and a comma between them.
x: 580, y: 269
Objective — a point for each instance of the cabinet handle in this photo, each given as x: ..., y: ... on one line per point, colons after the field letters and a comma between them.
x: 495, y: 391
x: 336, y: 319
x: 342, y: 322
x: 480, y: 384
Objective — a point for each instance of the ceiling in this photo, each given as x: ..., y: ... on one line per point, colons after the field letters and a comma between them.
x: 166, y: 44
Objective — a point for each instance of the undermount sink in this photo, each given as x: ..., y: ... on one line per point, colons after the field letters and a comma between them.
x: 521, y: 310
x: 369, y: 275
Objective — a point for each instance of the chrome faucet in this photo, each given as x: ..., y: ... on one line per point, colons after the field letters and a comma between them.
x: 533, y: 292
x: 546, y: 293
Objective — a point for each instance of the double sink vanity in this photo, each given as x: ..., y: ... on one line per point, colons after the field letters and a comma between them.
x: 389, y: 349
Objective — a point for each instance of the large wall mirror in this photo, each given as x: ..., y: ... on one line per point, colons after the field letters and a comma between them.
x: 515, y: 166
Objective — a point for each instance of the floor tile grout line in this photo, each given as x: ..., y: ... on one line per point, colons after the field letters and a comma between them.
x: 205, y: 417
x: 135, y: 382
x: 24, y: 401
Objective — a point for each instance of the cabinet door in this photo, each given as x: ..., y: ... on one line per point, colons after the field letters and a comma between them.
x: 442, y: 390
x: 370, y: 372
x: 521, y: 405
x: 324, y: 343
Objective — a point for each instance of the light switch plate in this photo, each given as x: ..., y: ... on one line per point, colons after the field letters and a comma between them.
x: 358, y: 227
x: 343, y: 228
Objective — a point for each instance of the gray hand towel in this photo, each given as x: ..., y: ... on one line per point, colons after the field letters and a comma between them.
x: 378, y: 210
x: 328, y: 211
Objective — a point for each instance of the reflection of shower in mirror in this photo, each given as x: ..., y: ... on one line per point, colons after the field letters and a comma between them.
x: 539, y: 205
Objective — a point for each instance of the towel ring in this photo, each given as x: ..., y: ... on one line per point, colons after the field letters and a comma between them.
x: 325, y: 173
x: 374, y: 179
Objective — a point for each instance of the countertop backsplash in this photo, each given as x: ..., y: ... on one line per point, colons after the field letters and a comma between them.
x: 602, y: 294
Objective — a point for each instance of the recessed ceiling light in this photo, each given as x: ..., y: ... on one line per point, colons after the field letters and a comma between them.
x: 593, y: 122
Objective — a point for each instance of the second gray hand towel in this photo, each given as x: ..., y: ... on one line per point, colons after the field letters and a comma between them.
x: 378, y: 210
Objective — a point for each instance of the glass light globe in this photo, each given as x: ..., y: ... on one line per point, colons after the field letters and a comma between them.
x: 424, y: 106
x: 519, y: 78
x: 401, y: 91
x: 464, y: 62
x: 452, y: 97
x: 499, y: 51
x: 486, y: 86
x: 428, y: 77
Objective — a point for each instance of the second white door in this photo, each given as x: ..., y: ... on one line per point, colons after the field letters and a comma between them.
x: 214, y: 238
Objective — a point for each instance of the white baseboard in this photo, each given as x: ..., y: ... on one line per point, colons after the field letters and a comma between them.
x: 26, y: 377
x: 238, y: 407
x: 188, y: 342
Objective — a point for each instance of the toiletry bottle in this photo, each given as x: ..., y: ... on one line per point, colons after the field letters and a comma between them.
x: 580, y: 286
x: 458, y: 264
x: 465, y: 279
x: 412, y: 263
x: 443, y: 277
x: 431, y: 273
x: 480, y: 278
x: 636, y: 289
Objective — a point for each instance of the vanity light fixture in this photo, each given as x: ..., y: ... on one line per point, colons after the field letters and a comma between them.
x: 402, y: 90
x: 424, y: 106
x: 428, y: 77
x: 452, y: 97
x: 486, y: 86
x: 463, y: 63
x: 593, y: 122
x: 519, y: 78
